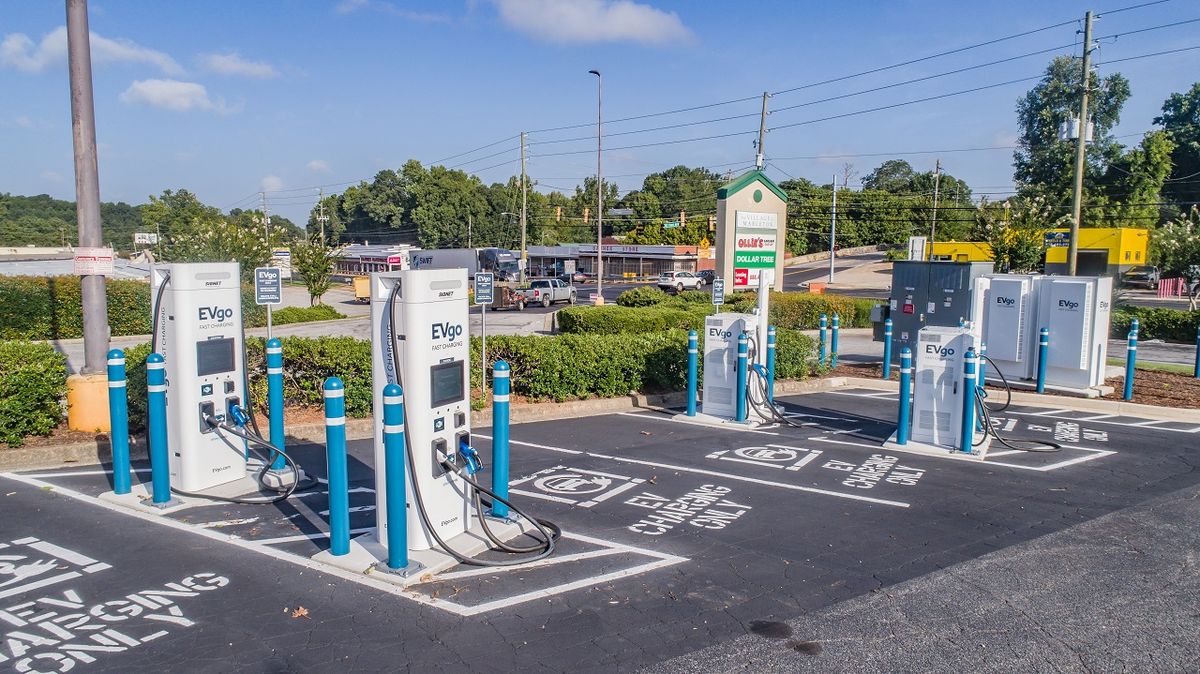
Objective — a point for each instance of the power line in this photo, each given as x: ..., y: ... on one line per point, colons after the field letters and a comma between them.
x: 481, y: 147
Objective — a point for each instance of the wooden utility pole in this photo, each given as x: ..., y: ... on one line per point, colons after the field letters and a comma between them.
x: 937, y: 183
x: 524, y: 253
x: 1080, y: 148
x: 762, y: 133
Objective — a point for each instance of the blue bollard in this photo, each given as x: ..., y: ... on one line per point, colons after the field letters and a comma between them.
x: 1134, y: 325
x: 1197, y: 366
x: 742, y: 355
x: 771, y: 364
x: 902, y: 419
x: 335, y: 459
x: 821, y: 343
x: 275, y: 398
x: 1043, y: 352
x: 1130, y: 363
x: 967, y: 436
x: 118, y: 421
x: 833, y: 343
x: 692, y: 359
x: 394, y: 467
x: 887, y: 349
x: 160, y: 461
x: 502, y: 386
x: 981, y: 382
x: 962, y: 322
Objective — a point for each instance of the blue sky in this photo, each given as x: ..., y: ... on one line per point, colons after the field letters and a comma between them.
x: 230, y: 98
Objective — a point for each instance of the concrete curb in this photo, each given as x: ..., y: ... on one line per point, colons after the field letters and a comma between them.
x: 97, y: 451
x: 1116, y: 407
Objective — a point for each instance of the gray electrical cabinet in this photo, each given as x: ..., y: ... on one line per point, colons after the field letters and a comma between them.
x: 928, y: 293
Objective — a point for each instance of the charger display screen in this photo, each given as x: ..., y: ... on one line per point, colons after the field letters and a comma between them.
x: 446, y: 383
x: 214, y: 356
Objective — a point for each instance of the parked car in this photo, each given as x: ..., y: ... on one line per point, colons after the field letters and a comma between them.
x: 707, y: 275
x: 574, y: 277
x: 1144, y: 276
x: 678, y: 281
x: 547, y: 291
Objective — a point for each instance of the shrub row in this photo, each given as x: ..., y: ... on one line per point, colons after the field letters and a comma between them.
x: 562, y: 367
x: 41, y: 307
x: 1170, y: 325
x: 613, y: 320
x: 33, y: 384
x: 802, y: 311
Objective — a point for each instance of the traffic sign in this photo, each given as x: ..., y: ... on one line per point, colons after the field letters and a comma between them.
x: 268, y: 286
x: 485, y: 288
x: 718, y: 295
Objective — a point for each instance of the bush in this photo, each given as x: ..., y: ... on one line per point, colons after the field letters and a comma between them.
x: 33, y: 384
x: 1169, y: 325
x: 802, y: 311
x: 50, y: 307
x: 611, y: 320
x: 642, y: 296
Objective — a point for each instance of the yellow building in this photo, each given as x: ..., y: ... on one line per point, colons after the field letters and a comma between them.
x: 1102, y: 250
x: 961, y: 251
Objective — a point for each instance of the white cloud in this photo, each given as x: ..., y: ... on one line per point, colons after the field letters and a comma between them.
x: 318, y: 166
x: 592, y: 21
x: 271, y: 184
x: 18, y: 51
x: 173, y: 95
x: 231, y: 63
x: 350, y: 6
x: 51, y: 176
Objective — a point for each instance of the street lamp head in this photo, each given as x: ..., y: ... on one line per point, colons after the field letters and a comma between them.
x: 594, y: 72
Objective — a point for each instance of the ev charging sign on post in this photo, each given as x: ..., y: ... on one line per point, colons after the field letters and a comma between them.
x: 268, y: 286
x: 718, y: 293
x: 485, y: 288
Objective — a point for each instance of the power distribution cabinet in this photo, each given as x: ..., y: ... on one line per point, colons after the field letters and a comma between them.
x: 938, y: 384
x: 721, y: 333
x: 428, y: 308
x: 1077, y: 311
x: 1009, y: 322
x: 929, y: 294
x: 200, y: 339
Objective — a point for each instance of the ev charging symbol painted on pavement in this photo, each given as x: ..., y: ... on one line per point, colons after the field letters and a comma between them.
x: 573, y: 483
x: 584, y: 488
x: 766, y: 453
x: 772, y: 456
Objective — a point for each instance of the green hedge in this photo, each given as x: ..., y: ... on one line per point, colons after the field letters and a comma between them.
x: 33, y: 385
x: 802, y: 311
x: 1169, y: 325
x: 612, y: 320
x: 41, y: 307
x: 561, y: 367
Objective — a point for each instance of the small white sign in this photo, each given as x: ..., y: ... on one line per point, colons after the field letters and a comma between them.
x: 145, y: 238
x: 916, y: 247
x: 93, y: 262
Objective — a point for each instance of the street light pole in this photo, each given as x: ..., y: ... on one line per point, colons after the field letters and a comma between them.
x: 599, y: 188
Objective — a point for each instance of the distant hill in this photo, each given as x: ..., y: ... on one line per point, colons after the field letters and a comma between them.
x: 45, y: 221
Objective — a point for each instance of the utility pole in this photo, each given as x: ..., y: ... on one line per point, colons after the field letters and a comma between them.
x: 87, y: 185
x: 524, y: 254
x: 321, y: 217
x: 469, y: 231
x: 1080, y: 148
x: 833, y: 229
x: 762, y: 133
x: 599, y: 187
x: 937, y: 183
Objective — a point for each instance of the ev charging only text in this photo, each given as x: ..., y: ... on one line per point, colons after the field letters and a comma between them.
x: 704, y: 507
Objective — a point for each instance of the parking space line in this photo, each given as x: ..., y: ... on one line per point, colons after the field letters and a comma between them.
x: 561, y: 559
x: 306, y: 537
x: 1046, y: 413
x: 1147, y: 423
x: 957, y: 456
x: 697, y: 423
x: 1098, y: 420
x: 534, y: 444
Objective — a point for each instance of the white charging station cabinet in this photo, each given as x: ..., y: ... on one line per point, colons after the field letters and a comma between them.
x: 432, y: 336
x: 1009, y: 303
x: 721, y: 333
x: 200, y: 339
x: 1077, y: 311
x: 938, y: 384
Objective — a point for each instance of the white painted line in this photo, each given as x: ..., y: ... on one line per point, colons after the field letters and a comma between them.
x: 227, y: 523
x: 1046, y: 413
x: 602, y: 552
x: 530, y: 444
x: 684, y: 420
x: 1098, y: 454
x: 71, y: 473
x: 753, y: 463
x: 1147, y: 423
x: 611, y: 493
x: 808, y: 457
x: 1098, y: 417
x: 1097, y: 420
x: 307, y: 537
x: 1004, y: 453
x: 797, y: 415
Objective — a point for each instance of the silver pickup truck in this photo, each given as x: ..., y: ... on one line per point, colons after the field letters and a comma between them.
x: 548, y: 291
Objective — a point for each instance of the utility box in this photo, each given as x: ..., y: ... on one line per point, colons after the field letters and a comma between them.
x: 1009, y: 311
x: 199, y: 335
x: 929, y: 294
x: 938, y: 384
x: 721, y: 333
x: 1077, y: 311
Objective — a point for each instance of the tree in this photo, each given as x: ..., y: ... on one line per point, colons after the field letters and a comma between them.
x: 1181, y: 122
x: 1134, y: 182
x: 312, y: 263
x: 893, y: 175
x: 1016, y: 231
x: 1043, y: 164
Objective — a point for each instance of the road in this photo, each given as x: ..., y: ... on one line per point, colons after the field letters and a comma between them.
x: 818, y: 270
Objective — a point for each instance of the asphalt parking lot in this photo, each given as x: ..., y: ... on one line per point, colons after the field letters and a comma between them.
x: 677, y: 538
